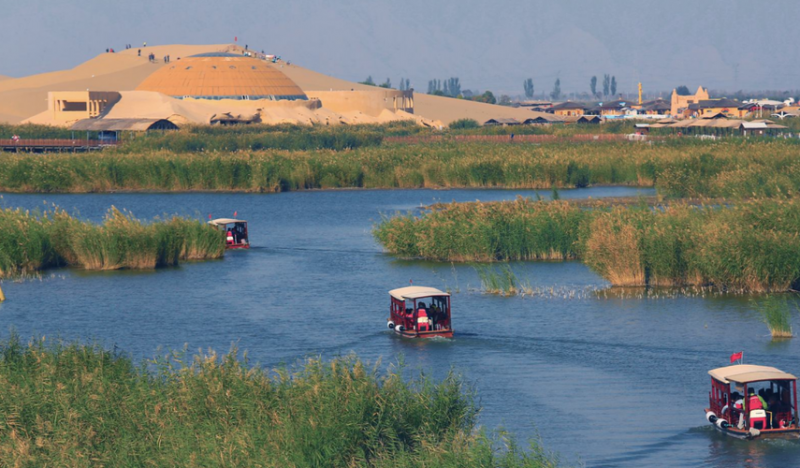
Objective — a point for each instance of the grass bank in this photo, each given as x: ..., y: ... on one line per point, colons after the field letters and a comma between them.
x: 684, y: 168
x: 77, y: 405
x: 750, y: 246
x: 34, y: 241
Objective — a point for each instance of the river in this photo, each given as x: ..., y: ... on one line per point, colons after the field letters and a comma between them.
x: 603, y: 380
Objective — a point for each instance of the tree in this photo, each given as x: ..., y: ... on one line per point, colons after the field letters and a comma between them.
x: 606, y: 84
x: 613, y: 85
x: 434, y: 85
x: 556, y: 90
x: 528, y: 85
x: 402, y: 84
x: 387, y: 84
x: 368, y: 81
x: 505, y: 100
x: 593, y: 85
x: 452, y: 87
x: 683, y: 91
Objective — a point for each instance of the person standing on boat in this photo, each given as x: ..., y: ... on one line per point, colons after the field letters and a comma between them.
x: 229, y: 237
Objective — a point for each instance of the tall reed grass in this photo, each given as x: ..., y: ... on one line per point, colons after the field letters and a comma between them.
x: 679, y: 169
x: 80, y: 405
x: 35, y: 241
x: 749, y: 246
x: 777, y: 314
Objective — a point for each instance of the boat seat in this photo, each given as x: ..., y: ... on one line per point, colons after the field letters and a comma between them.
x: 758, y: 419
x: 423, y: 324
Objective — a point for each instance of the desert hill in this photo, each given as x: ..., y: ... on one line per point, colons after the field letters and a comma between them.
x: 23, y: 98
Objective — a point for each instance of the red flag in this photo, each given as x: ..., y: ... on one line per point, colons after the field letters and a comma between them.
x: 235, y: 38
x: 209, y: 216
x: 234, y: 213
x: 736, y: 356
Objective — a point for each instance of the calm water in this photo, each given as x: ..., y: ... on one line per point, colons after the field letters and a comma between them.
x: 603, y: 381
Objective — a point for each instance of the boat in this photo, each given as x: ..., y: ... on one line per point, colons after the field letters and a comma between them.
x: 420, y: 312
x: 748, y: 402
x: 235, y: 232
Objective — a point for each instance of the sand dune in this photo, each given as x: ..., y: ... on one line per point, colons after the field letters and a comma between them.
x: 439, y: 108
x: 23, y: 98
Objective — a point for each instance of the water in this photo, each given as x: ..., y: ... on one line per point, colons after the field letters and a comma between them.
x: 603, y: 381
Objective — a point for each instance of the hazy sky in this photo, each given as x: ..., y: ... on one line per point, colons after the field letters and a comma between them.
x: 722, y: 44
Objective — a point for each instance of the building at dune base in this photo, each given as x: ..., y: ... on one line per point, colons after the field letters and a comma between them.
x: 226, y: 88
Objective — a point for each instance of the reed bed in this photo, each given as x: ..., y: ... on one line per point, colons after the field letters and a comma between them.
x: 777, y: 314
x: 751, y: 246
x: 80, y: 405
x: 682, y: 168
x: 501, y: 281
x: 30, y: 242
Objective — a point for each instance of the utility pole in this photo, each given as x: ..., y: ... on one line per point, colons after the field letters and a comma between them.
x: 640, y: 93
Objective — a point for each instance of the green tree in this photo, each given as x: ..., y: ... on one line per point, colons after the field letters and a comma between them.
x: 593, y: 85
x: 452, y: 87
x: 387, y: 84
x: 368, y: 81
x: 606, y: 84
x: 505, y: 100
x: 528, y: 85
x: 683, y: 91
x: 556, y: 94
x: 613, y: 85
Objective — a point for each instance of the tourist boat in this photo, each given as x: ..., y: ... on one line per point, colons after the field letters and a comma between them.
x: 235, y: 232
x: 748, y: 402
x: 420, y: 312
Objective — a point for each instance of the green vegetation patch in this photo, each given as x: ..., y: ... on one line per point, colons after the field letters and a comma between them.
x: 750, y: 246
x: 77, y: 405
x: 733, y: 169
x: 34, y: 241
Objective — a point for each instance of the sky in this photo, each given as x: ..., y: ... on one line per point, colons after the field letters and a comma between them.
x: 721, y: 44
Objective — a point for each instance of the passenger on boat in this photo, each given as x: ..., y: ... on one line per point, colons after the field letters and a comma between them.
x: 423, y: 323
x: 229, y: 237
x: 755, y: 402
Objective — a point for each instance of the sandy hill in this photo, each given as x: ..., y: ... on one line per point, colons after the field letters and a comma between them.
x: 3, y: 77
x: 22, y: 98
x: 439, y: 108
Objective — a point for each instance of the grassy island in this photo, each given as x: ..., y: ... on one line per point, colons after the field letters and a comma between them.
x: 34, y: 241
x: 748, y: 246
x: 78, y: 405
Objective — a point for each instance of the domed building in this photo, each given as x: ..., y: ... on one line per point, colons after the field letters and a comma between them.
x: 222, y: 75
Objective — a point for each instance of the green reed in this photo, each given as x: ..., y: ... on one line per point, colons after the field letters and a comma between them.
x: 735, y: 169
x: 32, y: 241
x: 776, y: 312
x: 80, y: 405
x: 750, y: 246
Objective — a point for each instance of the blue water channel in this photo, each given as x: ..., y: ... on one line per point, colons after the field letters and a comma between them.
x: 603, y: 379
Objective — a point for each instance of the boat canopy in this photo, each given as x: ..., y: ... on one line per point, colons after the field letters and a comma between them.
x: 415, y: 292
x: 746, y: 373
x: 224, y: 221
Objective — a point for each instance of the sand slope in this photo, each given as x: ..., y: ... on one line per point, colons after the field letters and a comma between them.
x: 439, y: 108
x: 21, y: 98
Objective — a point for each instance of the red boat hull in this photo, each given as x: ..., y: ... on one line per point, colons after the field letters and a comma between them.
x: 425, y: 334
x: 237, y: 246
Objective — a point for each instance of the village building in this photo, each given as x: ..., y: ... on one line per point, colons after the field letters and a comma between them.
x: 679, y: 103
x: 707, y: 107
x: 568, y: 108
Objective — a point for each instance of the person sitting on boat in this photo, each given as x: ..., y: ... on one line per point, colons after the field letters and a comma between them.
x: 229, y: 237
x: 755, y: 402
x: 422, y: 318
